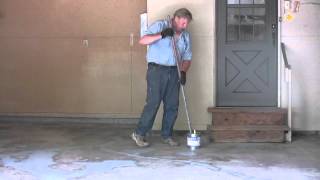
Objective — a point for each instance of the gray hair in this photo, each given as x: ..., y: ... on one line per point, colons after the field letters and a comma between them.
x: 183, y: 12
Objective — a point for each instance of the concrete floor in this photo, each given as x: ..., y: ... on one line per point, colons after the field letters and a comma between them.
x: 102, y: 151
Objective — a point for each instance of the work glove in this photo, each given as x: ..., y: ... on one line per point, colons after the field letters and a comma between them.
x: 183, y: 78
x: 167, y: 32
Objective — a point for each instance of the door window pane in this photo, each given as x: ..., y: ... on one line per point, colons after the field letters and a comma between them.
x: 246, y: 1
x: 246, y: 24
x: 259, y: 17
x: 259, y: 32
x: 233, y: 1
x: 233, y: 22
x: 246, y: 32
x: 246, y: 16
x: 259, y: 2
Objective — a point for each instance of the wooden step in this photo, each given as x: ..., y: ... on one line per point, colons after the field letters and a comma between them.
x: 251, y: 128
x: 248, y: 124
x: 248, y: 134
x: 248, y: 116
x: 247, y: 109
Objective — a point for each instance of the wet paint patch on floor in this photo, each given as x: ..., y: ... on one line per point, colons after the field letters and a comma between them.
x: 96, y: 151
x: 44, y: 166
x: 41, y: 165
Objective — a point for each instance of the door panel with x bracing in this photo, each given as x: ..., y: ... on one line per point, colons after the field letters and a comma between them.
x: 247, y: 53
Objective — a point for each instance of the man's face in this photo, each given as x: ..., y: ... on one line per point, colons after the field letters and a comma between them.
x: 181, y: 23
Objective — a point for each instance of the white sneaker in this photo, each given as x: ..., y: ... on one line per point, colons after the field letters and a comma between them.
x: 139, y: 140
x: 170, y: 141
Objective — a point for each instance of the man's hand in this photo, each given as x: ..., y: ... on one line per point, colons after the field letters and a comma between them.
x: 183, y: 78
x: 167, y: 32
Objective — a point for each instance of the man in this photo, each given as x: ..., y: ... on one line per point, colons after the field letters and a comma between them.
x: 163, y: 81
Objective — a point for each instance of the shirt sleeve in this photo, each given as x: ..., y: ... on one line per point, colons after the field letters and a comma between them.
x: 154, y: 28
x: 187, y: 55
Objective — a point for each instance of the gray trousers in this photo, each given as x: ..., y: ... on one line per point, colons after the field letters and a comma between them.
x: 162, y: 85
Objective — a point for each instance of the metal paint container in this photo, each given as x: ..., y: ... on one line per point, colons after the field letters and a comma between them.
x: 193, y: 140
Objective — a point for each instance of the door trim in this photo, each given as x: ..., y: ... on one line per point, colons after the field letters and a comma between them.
x: 280, y: 67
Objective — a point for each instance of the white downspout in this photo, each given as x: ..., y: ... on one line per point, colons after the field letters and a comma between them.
x: 289, y: 81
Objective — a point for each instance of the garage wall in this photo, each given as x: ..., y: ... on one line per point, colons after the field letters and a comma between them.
x: 200, y: 77
x: 71, y: 58
x: 302, y: 38
x: 46, y: 67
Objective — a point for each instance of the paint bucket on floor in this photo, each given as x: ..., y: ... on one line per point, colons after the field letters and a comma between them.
x: 193, y: 140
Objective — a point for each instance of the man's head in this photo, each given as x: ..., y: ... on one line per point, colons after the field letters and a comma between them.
x: 181, y: 19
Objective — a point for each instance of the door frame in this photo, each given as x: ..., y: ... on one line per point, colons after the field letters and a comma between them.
x: 280, y: 64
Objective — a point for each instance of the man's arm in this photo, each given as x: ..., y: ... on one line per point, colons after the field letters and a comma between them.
x: 185, y: 65
x: 149, y: 39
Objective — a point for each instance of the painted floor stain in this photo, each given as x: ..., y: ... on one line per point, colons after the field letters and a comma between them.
x: 40, y: 165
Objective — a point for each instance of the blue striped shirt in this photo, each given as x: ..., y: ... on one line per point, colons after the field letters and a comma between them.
x: 161, y: 51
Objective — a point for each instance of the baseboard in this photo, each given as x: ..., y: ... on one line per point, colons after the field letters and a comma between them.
x: 302, y: 133
x: 51, y: 120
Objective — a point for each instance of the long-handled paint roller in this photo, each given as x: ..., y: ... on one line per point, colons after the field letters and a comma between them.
x: 193, y: 138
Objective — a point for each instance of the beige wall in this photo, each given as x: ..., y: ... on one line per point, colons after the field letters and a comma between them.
x: 302, y: 38
x: 46, y: 69
x: 200, y: 78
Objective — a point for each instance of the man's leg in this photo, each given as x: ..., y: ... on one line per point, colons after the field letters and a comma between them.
x: 153, y: 101
x: 171, y: 104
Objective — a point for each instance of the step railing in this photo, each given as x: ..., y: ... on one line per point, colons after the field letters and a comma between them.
x: 288, y: 78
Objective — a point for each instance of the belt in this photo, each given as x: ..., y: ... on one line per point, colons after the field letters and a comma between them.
x: 161, y: 66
